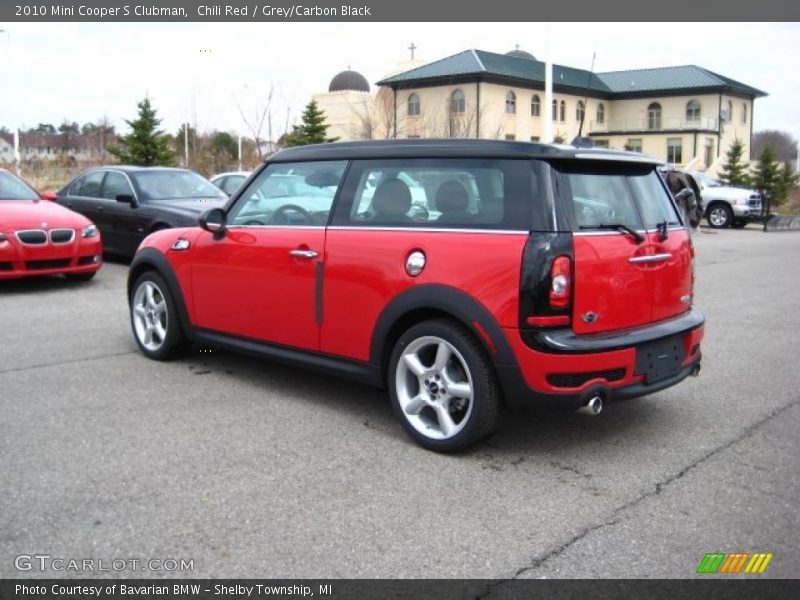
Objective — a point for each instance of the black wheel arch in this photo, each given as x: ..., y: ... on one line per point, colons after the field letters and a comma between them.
x: 150, y: 259
x: 433, y: 301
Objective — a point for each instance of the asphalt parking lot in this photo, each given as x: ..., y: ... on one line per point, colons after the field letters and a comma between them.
x: 253, y: 469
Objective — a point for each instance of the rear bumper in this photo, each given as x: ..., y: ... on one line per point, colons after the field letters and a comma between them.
x: 559, y: 368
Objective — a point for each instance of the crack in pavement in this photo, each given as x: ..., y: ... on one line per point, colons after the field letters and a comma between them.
x: 614, y: 517
x: 65, y: 362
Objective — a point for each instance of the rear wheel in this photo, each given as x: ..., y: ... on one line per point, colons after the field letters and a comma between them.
x: 442, y: 386
x: 154, y: 319
x: 720, y: 215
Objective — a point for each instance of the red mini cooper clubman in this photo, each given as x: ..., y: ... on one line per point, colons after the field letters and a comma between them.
x: 462, y: 275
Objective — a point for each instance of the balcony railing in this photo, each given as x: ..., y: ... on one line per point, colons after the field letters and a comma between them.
x: 653, y: 124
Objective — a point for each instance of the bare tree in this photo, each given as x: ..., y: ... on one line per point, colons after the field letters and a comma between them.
x: 260, y: 113
x: 374, y: 118
x: 783, y: 143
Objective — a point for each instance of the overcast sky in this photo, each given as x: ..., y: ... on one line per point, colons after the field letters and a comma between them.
x: 83, y: 72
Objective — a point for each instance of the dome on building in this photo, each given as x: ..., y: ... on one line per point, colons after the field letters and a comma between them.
x: 517, y: 53
x: 349, y: 81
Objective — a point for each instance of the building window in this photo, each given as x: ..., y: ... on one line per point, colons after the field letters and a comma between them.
x: 693, y: 111
x: 534, y: 138
x: 555, y: 110
x: 744, y: 112
x: 458, y: 103
x: 511, y: 103
x: 600, y: 143
x: 413, y: 105
x: 634, y: 145
x: 709, y: 151
x: 654, y: 116
x: 510, y: 137
x: 413, y: 137
x: 580, y: 110
x: 535, y: 106
x: 601, y: 113
x: 675, y: 150
x: 563, y: 112
x: 727, y: 112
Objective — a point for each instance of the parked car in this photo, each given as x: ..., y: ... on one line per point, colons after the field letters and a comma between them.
x: 686, y: 191
x: 38, y: 237
x: 728, y: 206
x: 546, y: 274
x: 128, y: 203
x: 230, y: 182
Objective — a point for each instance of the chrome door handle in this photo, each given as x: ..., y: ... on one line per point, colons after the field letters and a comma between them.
x: 304, y: 253
x: 650, y: 258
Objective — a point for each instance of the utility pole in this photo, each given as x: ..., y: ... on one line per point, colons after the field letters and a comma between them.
x: 15, y: 125
x: 547, y: 133
x: 186, y: 144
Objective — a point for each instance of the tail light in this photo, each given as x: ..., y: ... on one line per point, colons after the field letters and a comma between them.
x: 560, y: 282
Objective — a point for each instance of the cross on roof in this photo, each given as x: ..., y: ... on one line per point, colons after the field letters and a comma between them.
x: 412, y: 47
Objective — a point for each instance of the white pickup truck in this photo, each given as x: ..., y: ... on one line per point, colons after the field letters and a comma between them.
x: 728, y: 206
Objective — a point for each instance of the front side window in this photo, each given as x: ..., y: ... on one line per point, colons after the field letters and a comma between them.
x: 170, y: 184
x: 458, y: 103
x: 289, y: 194
x: 413, y: 105
x: 439, y: 193
x: 13, y: 188
x: 674, y: 150
x: 116, y: 184
x: 511, y: 103
x: 90, y: 187
x: 535, y: 106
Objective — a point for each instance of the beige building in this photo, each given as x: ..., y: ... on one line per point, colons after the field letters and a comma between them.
x: 682, y: 115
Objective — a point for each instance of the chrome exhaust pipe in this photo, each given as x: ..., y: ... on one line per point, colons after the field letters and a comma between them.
x: 593, y: 407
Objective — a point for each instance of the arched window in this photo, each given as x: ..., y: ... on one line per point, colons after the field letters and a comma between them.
x: 744, y: 112
x: 563, y: 112
x: 727, y: 112
x: 413, y: 105
x: 555, y: 110
x: 511, y: 103
x: 693, y: 110
x: 601, y: 113
x: 580, y: 110
x: 458, y: 103
x: 536, y: 106
x: 654, y: 116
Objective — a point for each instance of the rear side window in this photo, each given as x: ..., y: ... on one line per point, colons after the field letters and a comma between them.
x: 629, y: 195
x: 439, y: 193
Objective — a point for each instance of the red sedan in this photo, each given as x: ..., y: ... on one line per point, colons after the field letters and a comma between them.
x: 39, y: 237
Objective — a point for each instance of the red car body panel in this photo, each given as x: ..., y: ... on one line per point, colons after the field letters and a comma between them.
x: 365, y: 270
x: 17, y: 259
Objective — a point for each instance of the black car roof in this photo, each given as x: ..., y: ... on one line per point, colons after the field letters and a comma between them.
x: 452, y: 148
x: 136, y: 169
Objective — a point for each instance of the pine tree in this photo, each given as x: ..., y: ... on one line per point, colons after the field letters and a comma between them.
x: 734, y: 171
x: 787, y: 182
x: 145, y: 145
x: 767, y: 177
x: 312, y: 130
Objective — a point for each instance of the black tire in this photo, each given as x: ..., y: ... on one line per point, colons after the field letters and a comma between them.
x: 80, y: 276
x: 719, y: 215
x: 739, y: 223
x: 468, y: 365
x: 173, y: 342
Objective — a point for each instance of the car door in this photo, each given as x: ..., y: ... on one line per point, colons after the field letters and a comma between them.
x: 84, y: 196
x: 263, y: 279
x: 124, y: 222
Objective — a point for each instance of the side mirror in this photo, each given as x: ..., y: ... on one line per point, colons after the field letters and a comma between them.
x: 214, y: 222
x: 127, y: 199
x: 49, y: 196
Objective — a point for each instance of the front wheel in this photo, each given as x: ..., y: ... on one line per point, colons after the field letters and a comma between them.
x: 442, y: 387
x: 154, y: 319
x: 720, y: 216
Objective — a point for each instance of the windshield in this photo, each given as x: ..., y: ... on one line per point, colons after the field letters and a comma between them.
x: 13, y: 188
x: 707, y: 180
x: 163, y: 185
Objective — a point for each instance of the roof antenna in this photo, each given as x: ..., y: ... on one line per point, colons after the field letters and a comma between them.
x: 585, y: 142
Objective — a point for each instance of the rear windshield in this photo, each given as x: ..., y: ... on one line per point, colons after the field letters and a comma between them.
x: 13, y: 188
x: 633, y: 197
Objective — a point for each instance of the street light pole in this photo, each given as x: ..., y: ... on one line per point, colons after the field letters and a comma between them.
x: 15, y: 127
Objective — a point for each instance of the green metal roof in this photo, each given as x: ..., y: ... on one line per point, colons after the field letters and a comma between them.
x: 477, y: 63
